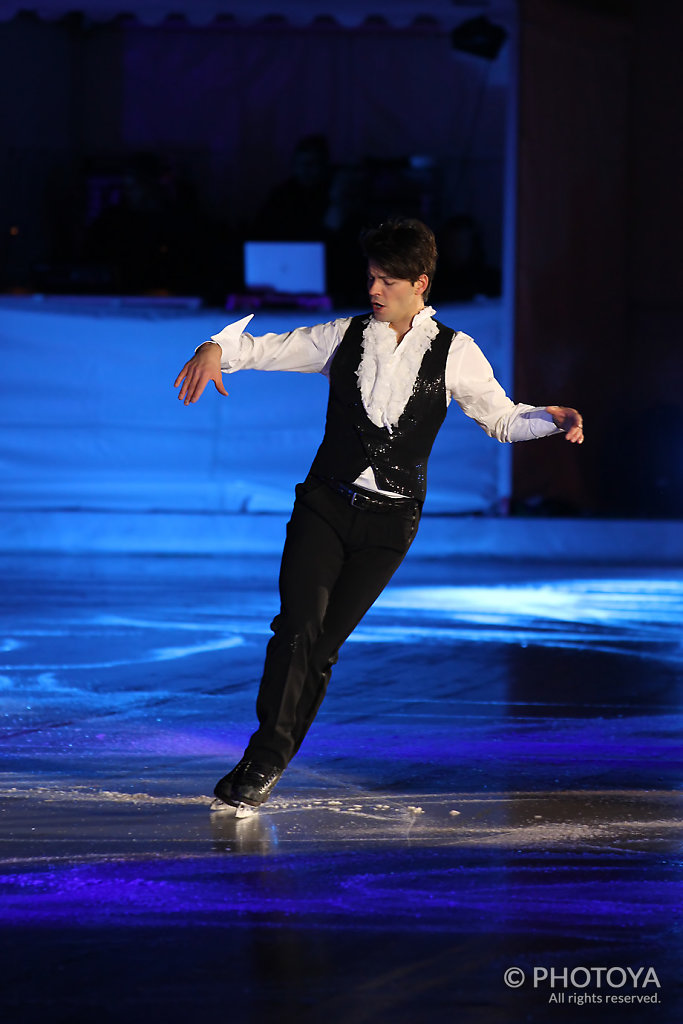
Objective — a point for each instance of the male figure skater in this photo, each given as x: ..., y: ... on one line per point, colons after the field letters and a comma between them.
x: 392, y: 374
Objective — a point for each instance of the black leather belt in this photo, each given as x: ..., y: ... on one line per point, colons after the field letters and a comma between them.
x: 370, y: 500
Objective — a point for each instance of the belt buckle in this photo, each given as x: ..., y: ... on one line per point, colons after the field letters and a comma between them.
x: 358, y: 500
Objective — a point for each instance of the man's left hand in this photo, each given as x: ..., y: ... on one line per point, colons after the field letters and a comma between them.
x: 568, y: 420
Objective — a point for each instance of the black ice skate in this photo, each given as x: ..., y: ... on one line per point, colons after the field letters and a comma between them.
x: 247, y: 786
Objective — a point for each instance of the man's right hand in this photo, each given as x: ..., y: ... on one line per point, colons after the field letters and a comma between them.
x: 204, y: 366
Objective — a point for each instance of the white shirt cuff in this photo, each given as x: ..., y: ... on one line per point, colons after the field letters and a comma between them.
x: 229, y: 340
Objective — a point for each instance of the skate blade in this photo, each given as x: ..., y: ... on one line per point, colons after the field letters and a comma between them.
x: 239, y: 811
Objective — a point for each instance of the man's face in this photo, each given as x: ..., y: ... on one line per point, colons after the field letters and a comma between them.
x: 393, y: 299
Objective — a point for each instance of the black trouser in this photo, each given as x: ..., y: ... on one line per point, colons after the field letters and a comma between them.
x: 336, y: 561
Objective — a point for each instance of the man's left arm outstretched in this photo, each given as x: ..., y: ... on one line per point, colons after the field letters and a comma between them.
x: 568, y: 420
x: 470, y: 381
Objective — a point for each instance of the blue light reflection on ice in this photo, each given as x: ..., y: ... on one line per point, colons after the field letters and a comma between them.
x: 413, y: 891
x: 600, y: 614
x: 595, y: 613
x: 635, y: 601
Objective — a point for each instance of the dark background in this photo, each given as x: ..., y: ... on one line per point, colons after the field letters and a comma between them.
x: 599, y: 270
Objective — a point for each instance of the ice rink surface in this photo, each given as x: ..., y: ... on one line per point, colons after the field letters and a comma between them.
x: 492, y: 784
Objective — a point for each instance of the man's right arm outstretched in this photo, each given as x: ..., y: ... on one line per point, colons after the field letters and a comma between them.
x: 305, y: 350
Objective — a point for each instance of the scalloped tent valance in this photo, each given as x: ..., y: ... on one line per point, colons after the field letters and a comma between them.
x: 349, y: 13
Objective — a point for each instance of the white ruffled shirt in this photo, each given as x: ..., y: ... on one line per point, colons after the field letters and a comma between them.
x: 388, y: 371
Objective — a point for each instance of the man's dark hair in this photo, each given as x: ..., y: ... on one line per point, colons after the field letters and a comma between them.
x: 403, y: 248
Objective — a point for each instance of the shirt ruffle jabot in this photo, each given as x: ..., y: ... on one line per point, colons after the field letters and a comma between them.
x: 388, y: 371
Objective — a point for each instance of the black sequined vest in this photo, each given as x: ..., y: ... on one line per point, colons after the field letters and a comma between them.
x: 352, y: 441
